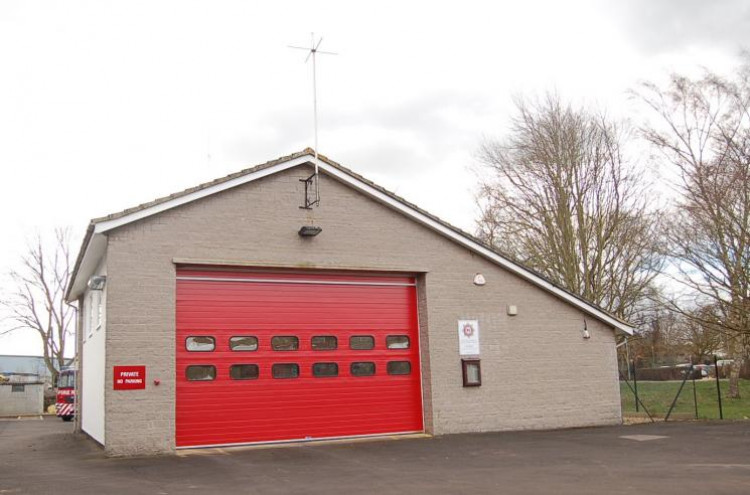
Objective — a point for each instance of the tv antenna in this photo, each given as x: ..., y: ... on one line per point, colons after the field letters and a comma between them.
x: 313, y: 50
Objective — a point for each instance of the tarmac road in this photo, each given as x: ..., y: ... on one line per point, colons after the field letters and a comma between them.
x: 43, y: 456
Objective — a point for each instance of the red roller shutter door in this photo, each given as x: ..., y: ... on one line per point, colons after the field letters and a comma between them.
x: 338, y: 392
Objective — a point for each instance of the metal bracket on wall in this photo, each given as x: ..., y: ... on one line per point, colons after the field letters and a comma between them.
x: 311, y: 189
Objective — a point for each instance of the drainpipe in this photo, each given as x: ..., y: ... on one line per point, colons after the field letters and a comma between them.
x: 78, y: 356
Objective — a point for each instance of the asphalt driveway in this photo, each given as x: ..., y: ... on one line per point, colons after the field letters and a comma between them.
x: 44, y: 456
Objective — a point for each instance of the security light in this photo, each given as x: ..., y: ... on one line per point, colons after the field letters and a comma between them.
x: 309, y: 231
x: 585, y: 333
x: 97, y: 282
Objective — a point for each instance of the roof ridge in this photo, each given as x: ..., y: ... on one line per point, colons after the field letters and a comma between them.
x: 468, y: 235
x: 204, y: 185
x: 310, y: 152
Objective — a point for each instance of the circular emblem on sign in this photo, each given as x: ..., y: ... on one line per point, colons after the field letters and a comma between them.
x: 468, y: 330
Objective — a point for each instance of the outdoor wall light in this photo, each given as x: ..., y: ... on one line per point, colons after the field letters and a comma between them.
x: 512, y: 310
x: 97, y: 282
x: 309, y: 231
x: 586, y: 334
x: 479, y: 280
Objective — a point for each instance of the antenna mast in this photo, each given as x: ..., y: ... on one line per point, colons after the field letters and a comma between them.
x: 313, y: 51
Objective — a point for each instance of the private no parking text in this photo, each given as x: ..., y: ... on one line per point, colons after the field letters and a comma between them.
x: 129, y: 377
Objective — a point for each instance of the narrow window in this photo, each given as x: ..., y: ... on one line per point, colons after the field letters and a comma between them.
x: 92, y: 313
x: 362, y: 342
x: 200, y: 344
x: 17, y: 388
x: 324, y: 343
x: 285, y: 370
x: 325, y: 369
x: 472, y: 372
x: 199, y: 373
x: 99, y: 309
x: 362, y: 369
x: 243, y: 343
x: 286, y: 343
x: 399, y: 367
x: 243, y: 371
x: 397, y: 342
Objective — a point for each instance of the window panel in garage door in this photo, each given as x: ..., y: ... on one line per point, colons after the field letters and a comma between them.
x: 328, y: 397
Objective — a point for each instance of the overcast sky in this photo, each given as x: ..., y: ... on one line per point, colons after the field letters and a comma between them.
x: 105, y: 105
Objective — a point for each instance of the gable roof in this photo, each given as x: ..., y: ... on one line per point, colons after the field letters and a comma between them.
x: 94, y: 242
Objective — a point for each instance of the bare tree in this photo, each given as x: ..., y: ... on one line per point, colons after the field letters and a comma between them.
x: 701, y: 333
x: 660, y: 340
x: 562, y: 199
x: 666, y: 337
x: 37, y: 302
x: 703, y: 129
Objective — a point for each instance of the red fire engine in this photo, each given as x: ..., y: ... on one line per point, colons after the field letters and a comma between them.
x: 66, y: 394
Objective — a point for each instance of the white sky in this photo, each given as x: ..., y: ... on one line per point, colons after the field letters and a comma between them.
x: 105, y: 105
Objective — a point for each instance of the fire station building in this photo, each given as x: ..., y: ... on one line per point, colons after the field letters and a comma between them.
x: 230, y: 314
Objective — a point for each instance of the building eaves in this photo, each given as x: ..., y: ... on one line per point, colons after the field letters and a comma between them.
x: 309, y: 152
x: 164, y: 199
x: 205, y: 185
x: 467, y: 235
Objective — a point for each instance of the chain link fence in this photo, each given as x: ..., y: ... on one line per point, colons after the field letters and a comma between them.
x: 684, y: 391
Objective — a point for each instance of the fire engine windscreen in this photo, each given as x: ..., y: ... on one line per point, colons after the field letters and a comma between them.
x: 66, y: 380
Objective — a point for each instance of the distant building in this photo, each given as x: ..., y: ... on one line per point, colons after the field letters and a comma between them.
x: 25, y: 369
x: 25, y: 383
x: 21, y: 399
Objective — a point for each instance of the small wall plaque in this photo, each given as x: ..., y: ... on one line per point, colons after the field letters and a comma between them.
x: 468, y: 337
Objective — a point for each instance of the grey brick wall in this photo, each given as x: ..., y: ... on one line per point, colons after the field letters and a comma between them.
x: 538, y: 372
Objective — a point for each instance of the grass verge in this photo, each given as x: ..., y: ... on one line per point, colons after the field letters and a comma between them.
x: 657, y: 397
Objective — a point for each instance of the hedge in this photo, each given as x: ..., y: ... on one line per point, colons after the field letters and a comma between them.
x: 662, y: 374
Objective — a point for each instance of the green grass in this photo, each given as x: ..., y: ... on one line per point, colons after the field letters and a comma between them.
x: 657, y: 397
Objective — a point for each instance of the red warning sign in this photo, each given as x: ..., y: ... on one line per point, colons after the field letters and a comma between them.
x: 129, y: 377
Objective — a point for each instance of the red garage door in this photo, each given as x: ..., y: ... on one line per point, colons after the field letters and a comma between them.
x: 280, y: 356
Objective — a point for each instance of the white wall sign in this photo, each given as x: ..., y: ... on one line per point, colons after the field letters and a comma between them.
x: 468, y: 337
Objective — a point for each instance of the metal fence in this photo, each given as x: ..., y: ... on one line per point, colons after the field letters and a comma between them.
x: 680, y: 392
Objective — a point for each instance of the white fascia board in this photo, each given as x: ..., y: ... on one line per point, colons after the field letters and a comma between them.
x: 474, y: 246
x: 96, y: 249
x: 107, y: 225
x: 375, y: 193
x: 96, y: 246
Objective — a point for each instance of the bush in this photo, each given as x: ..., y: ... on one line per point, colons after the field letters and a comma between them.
x: 662, y: 374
